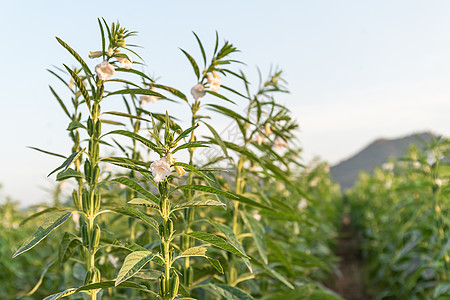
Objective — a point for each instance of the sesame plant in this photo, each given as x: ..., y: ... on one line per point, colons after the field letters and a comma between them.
x: 156, y: 217
x: 401, y: 214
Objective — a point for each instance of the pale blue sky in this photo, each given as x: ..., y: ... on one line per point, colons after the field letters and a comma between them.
x: 357, y: 70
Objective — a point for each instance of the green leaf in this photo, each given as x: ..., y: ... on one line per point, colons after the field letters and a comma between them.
x: 302, y: 292
x: 215, y: 241
x: 137, y: 92
x: 38, y: 284
x: 185, y: 133
x: 324, y: 295
x: 121, y: 114
x: 69, y: 173
x: 134, y: 72
x: 231, y: 237
x: 111, y: 122
x: 441, y: 289
x: 272, y: 272
x: 201, y: 48
x: 199, y: 202
x: 134, y: 262
x: 193, y: 63
x: 193, y: 169
x: 219, y: 96
x: 129, y: 211
x: 68, y: 244
x: 61, y: 294
x: 47, y: 152
x: 66, y: 164
x: 111, y: 284
x: 42, y: 212
x: 80, y: 86
x: 194, y: 251
x: 215, y: 263
x: 228, y: 112
x: 258, y: 235
x: 138, y: 138
x: 74, y: 125
x: 61, y: 103
x: 218, y: 139
x: 206, y: 189
x: 50, y: 223
x: 230, y: 293
x: 171, y: 90
x: 136, y: 187
x: 144, y: 202
x: 74, y: 54
x: 198, y: 144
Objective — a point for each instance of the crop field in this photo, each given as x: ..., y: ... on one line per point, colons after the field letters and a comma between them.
x: 165, y: 207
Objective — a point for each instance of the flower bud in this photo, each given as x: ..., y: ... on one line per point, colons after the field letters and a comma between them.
x: 95, y: 54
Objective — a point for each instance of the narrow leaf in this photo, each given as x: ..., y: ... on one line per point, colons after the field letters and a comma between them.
x: 215, y: 241
x: 50, y: 223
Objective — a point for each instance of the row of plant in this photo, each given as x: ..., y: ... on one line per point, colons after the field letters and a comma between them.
x: 162, y: 210
x: 401, y: 214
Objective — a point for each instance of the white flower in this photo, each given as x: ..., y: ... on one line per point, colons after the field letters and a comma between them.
x: 104, y: 70
x: 302, y: 204
x: 95, y: 54
x: 148, y: 98
x: 260, y: 138
x: 438, y: 182
x: 127, y: 63
x: 257, y: 216
x: 268, y: 130
x: 113, y: 260
x: 416, y: 164
x: 198, y: 91
x: 214, y: 82
x: 314, y: 181
x: 160, y: 169
x: 388, y: 166
x: 76, y: 220
x: 280, y: 143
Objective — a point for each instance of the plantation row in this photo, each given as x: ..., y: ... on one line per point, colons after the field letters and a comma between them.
x: 149, y: 217
x: 401, y: 214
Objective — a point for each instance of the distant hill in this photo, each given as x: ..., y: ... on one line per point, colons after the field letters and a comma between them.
x: 375, y: 154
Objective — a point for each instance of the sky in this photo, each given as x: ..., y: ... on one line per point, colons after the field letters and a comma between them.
x: 357, y: 70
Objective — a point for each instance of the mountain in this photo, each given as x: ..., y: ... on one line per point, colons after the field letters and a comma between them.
x: 380, y: 151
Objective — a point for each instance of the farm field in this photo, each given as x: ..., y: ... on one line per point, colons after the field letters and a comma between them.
x: 149, y: 205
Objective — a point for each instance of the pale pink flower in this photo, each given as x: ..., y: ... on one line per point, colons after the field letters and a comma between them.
x: 198, y: 91
x: 148, y: 98
x: 257, y: 216
x: 127, y: 63
x: 214, y: 82
x: 279, y: 144
x: 104, y: 70
x: 259, y: 138
x: 160, y: 169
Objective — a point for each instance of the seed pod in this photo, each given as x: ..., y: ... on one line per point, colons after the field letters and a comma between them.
x: 96, y: 236
x: 161, y: 229
x: 162, y: 285
x: 95, y: 174
x: 92, y: 276
x: 98, y: 128
x: 86, y: 201
x: 168, y: 230
x: 190, y: 276
x: 84, y: 234
x: 174, y: 285
x: 97, y: 202
x: 87, y: 170
x: 76, y: 199
x: 90, y: 126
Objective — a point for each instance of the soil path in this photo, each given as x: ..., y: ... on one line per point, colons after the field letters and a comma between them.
x: 350, y: 283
